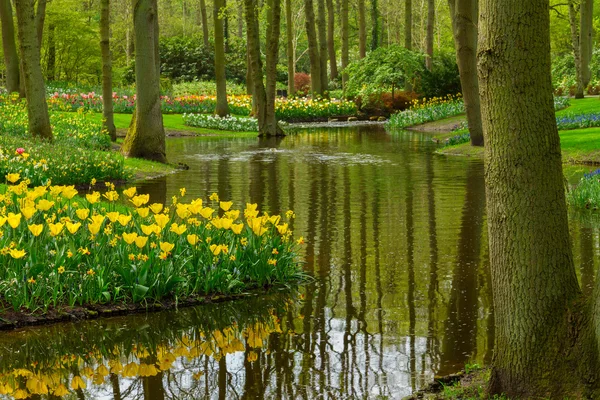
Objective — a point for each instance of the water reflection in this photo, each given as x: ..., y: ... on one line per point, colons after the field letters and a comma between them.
x: 397, y: 243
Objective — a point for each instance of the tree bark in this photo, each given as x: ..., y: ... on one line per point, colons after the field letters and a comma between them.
x: 345, y: 42
x: 362, y: 29
x: 11, y: 56
x: 586, y: 42
x: 429, y: 38
x: 40, y: 17
x: 51, y: 62
x: 322, y: 30
x: 408, y: 35
x: 575, y: 38
x: 107, y: 100
x: 375, y: 25
x: 313, y: 49
x: 37, y: 108
x: 544, y: 334
x: 464, y: 27
x: 222, y: 109
x: 331, y: 40
x: 146, y: 135
x: 270, y: 126
x: 204, y: 19
x: 291, y: 57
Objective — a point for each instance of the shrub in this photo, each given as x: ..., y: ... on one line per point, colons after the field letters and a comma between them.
x: 229, y: 123
x: 443, y: 79
x: 384, y: 104
x: 302, y: 83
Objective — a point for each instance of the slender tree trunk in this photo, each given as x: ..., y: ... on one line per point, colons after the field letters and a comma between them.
x: 322, y: 31
x: 270, y: 127
x: 408, y: 35
x: 345, y: 42
x: 40, y: 17
x: 291, y: 57
x: 107, y: 100
x: 545, y: 345
x: 51, y: 62
x: 331, y: 40
x: 37, y: 108
x: 204, y: 22
x: 222, y: 109
x: 362, y: 30
x: 576, y: 48
x: 586, y: 42
x: 146, y: 135
x: 464, y: 26
x: 240, y: 19
x: 11, y: 56
x: 313, y: 49
x: 375, y: 25
x: 429, y: 39
x: 225, y: 18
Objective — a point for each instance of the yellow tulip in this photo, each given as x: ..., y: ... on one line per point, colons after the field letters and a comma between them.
x: 143, y: 212
x: 227, y: 222
x: 15, y: 253
x: 192, y: 239
x: 129, y: 238
x: 161, y: 220
x: 69, y: 192
x: 182, y: 210
x: 28, y: 212
x: 93, y: 198
x: 156, y: 207
x: 166, y: 246
x: 61, y: 391
x: 36, y: 386
x: 12, y: 178
x: 225, y: 205
x: 124, y: 219
x: 216, y: 249
x: 113, y: 216
x: 150, y: 229
x: 207, y: 212
x: 178, y: 229
x: 14, y: 219
x: 130, y: 192
x: 237, y: 228
x: 140, y: 200
x: 82, y: 213
x: 217, y: 223
x: 94, y: 228
x: 56, y: 229
x: 111, y: 195
x: 44, y: 205
x: 282, y: 229
x: 20, y: 394
x: 97, y: 219
x: 274, y: 219
x: 233, y: 214
x: 141, y: 241
x: 36, y: 230
x: 73, y: 227
x: 2, y: 221
x: 130, y: 370
x: 77, y: 383
x: 256, y: 224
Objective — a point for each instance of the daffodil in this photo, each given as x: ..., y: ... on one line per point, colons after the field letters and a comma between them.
x: 61, y: 270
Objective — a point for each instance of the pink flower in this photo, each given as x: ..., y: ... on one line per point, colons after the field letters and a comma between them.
x: 20, y: 150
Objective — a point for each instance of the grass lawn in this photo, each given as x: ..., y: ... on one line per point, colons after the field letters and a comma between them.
x: 578, y: 145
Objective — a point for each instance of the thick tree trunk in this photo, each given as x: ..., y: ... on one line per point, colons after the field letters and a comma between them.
x: 345, y: 42
x: 333, y: 70
x: 11, y: 56
x: 429, y: 38
x: 313, y: 49
x: 146, y: 135
x: 586, y: 42
x: 464, y: 26
x: 222, y: 109
x: 362, y: 29
x: 375, y: 25
x: 37, y: 108
x: 204, y: 19
x: 575, y: 38
x: 291, y: 57
x: 544, y: 335
x: 322, y: 25
x: 107, y: 101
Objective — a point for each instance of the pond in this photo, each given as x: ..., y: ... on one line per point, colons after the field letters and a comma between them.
x: 396, y: 239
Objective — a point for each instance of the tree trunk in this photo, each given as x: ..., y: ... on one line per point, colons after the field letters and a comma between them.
x: 429, y: 39
x: 575, y: 38
x: 544, y: 335
x: 362, y: 30
x: 51, y: 62
x: 322, y: 25
x: 345, y: 42
x: 291, y: 57
x: 270, y: 126
x: 107, y: 100
x: 11, y: 57
x: 222, y: 109
x: 408, y: 35
x: 37, y: 108
x: 225, y: 18
x: 313, y: 49
x: 464, y: 26
x: 240, y: 19
x: 40, y: 17
x: 375, y: 25
x: 333, y: 70
x: 204, y: 22
x: 146, y: 135
x: 586, y: 39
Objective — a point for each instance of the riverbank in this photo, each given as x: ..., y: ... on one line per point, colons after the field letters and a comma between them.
x: 470, y: 384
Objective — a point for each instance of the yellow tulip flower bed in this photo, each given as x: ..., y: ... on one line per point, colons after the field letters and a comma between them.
x: 58, y: 249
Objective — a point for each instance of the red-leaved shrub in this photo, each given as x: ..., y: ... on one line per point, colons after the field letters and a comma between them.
x: 384, y: 104
x: 302, y: 83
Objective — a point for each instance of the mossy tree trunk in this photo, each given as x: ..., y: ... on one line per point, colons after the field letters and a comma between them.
x: 107, y: 89
x: 333, y: 69
x: 146, y: 135
x: 375, y: 25
x: 40, y: 18
x: 11, y: 56
x: 345, y: 42
x: 322, y: 31
x: 270, y: 126
x: 362, y: 29
x: 545, y: 343
x: 289, y: 37
x: 313, y: 49
x: 429, y: 37
x: 464, y: 27
x: 222, y: 109
x: 37, y: 108
x: 204, y: 19
x: 586, y: 39
x: 575, y: 39
x: 51, y: 55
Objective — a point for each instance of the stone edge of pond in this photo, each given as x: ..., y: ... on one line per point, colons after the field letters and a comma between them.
x: 15, y: 320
